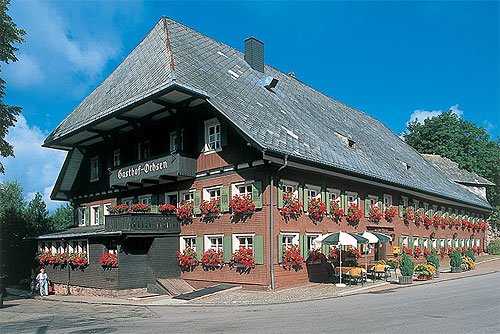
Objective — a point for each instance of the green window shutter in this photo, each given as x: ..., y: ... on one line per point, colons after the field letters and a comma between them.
x: 401, y: 210
x: 305, y: 199
x: 257, y: 194
x: 400, y: 241
x: 343, y: 201
x: 410, y: 242
x: 227, y: 246
x: 280, y: 195
x: 327, y: 202
x: 302, y: 243
x: 258, y: 249
x: 154, y: 203
x: 87, y: 215
x: 199, y: 246
x: 197, y: 202
x: 367, y: 206
x: 300, y: 191
x: 280, y: 248
x: 224, y: 199
x: 101, y: 214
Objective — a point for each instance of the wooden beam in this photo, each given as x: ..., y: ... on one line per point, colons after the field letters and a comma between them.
x: 150, y: 181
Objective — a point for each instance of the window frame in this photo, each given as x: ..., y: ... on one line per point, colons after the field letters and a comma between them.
x: 372, y: 198
x: 336, y: 192
x: 81, y: 216
x: 127, y: 200
x: 209, y: 123
x: 207, y: 243
x: 352, y: 194
x: 316, y: 189
x: 116, y: 158
x: 93, y: 214
x: 295, y: 238
x: 385, y: 198
x: 206, y: 192
x: 236, y: 243
x: 236, y: 191
x: 293, y: 184
x: 94, y: 168
x: 175, y: 149
x: 190, y: 192
x: 145, y: 196
x: 182, y: 242
x: 309, y: 243
x: 171, y: 193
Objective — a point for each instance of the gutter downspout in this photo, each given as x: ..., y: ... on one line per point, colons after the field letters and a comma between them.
x: 271, y: 221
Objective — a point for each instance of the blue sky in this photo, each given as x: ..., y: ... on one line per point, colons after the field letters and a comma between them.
x: 396, y: 61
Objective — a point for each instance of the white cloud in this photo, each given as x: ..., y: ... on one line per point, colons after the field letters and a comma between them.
x: 420, y: 115
x: 34, y: 167
x: 26, y: 72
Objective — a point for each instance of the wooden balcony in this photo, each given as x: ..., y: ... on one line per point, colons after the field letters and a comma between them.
x: 142, y: 223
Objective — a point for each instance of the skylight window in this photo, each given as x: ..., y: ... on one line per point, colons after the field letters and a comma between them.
x: 222, y: 54
x: 291, y: 133
x: 346, y: 140
x: 234, y: 74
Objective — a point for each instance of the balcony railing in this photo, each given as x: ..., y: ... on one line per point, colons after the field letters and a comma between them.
x: 142, y: 223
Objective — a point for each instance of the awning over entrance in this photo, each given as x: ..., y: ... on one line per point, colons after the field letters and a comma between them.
x: 170, y: 168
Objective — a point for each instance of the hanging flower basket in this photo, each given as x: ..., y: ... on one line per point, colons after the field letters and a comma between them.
x: 292, y: 259
x: 436, y: 220
x: 292, y: 209
x: 316, y: 210
x: 185, y: 212
x: 167, y: 208
x: 187, y: 259
x: 376, y: 214
x: 140, y: 208
x: 337, y: 211
x: 409, y: 216
x: 353, y: 215
x: 242, y: 206
x: 118, y: 209
x: 390, y: 213
x: 212, y: 259
x: 108, y: 260
x: 243, y: 260
x: 210, y: 209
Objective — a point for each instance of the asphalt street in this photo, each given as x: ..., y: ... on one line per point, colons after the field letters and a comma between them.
x: 468, y: 305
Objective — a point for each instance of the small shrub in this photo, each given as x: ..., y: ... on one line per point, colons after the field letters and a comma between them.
x: 433, y: 260
x: 406, y: 265
x: 494, y: 247
x: 455, y: 259
x: 470, y: 254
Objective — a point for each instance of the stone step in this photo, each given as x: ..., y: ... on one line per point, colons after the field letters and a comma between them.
x: 175, y: 286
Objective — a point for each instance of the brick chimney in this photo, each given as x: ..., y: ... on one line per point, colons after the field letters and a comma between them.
x: 254, y: 53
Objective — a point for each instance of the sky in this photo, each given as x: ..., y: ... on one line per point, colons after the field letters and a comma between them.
x: 397, y: 61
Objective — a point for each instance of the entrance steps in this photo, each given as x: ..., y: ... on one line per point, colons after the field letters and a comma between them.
x: 173, y: 286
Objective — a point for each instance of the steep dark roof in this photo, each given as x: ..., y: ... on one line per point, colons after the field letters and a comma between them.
x: 80, y: 231
x: 451, y: 169
x: 294, y: 119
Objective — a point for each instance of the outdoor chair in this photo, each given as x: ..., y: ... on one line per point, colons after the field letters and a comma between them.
x: 356, y: 275
x: 379, y: 271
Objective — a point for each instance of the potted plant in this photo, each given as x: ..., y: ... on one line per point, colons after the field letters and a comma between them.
x: 185, y: 212
x: 337, y: 211
x: 434, y: 260
x: 376, y: 214
x: 424, y: 272
x: 212, y: 259
x: 243, y: 260
x: 108, y: 260
x: 292, y: 209
x: 242, y: 206
x: 406, y: 265
x: 353, y: 215
x: 292, y: 259
x: 316, y: 210
x: 467, y: 263
x: 390, y: 213
x: 187, y: 259
x: 210, y: 209
x: 456, y: 262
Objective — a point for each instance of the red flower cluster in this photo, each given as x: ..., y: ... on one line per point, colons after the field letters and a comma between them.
x: 108, y: 260
x: 436, y: 220
x: 417, y: 252
x: 140, y: 208
x: 292, y: 209
x: 78, y: 260
x: 337, y: 211
x: 390, y: 213
x: 409, y: 215
x: 427, y: 221
x: 353, y: 252
x: 210, y: 209
x: 292, y: 259
x: 46, y: 258
x: 243, y: 257
x: 316, y: 210
x: 187, y: 259
x: 427, y: 252
x: 334, y: 255
x: 315, y: 256
x: 212, y: 259
x: 185, y: 212
x: 167, y: 208
x: 408, y: 251
x: 354, y: 214
x: 376, y: 214
x: 420, y: 217
x: 118, y: 209
x: 476, y: 250
x: 242, y: 205
x: 483, y: 226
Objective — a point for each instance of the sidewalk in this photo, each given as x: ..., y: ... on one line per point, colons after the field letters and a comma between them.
x: 313, y: 291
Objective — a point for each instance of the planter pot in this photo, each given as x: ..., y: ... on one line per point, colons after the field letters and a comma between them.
x: 405, y: 279
x: 456, y: 269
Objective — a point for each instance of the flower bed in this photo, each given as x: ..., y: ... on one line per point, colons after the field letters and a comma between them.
x: 242, y: 205
x: 243, y: 260
x: 353, y: 215
x: 316, y: 210
x: 212, y: 259
x: 108, y: 260
x: 187, y: 259
x: 376, y: 214
x: 292, y: 209
x: 292, y: 259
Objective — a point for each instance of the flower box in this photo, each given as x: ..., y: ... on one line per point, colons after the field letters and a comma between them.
x: 353, y: 215
x: 292, y: 209
x: 108, y: 260
x: 376, y: 214
x: 390, y: 213
x: 212, y: 259
x: 316, y: 210
x: 185, y: 212
x: 187, y: 259
x: 292, y: 259
x: 405, y: 279
x: 337, y: 211
x: 167, y: 208
x: 242, y: 206
x: 210, y: 209
x: 243, y: 260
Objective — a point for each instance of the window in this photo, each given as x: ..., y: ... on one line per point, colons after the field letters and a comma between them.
x: 426, y: 206
x: 214, y: 242
x: 310, y: 241
x: 435, y: 208
x: 405, y: 201
x: 373, y: 200
x: 144, y: 150
x: 290, y: 187
x: 289, y: 239
x: 94, y: 169
x: 112, y: 247
x: 82, y: 247
x: 107, y: 207
x: 404, y: 241
x: 478, y: 242
x: 94, y: 215
x: 242, y: 241
x: 188, y: 196
x: 313, y: 192
x: 242, y: 189
x: 434, y: 243
x: 116, y: 158
x: 211, y: 193
x: 334, y: 195
x: 415, y: 242
x: 81, y: 216
x: 415, y: 204
x: 352, y: 198
x: 128, y: 200
x: 387, y: 201
x: 171, y: 198
x: 212, y: 135
x: 188, y: 241
x: 145, y: 199
x: 176, y: 144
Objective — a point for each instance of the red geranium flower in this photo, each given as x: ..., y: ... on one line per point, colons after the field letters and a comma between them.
x: 292, y: 259
x: 316, y: 210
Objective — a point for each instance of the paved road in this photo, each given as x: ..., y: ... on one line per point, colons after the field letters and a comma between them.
x: 469, y: 305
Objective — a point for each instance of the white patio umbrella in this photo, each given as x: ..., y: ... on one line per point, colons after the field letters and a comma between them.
x: 374, y: 238
x: 342, y: 239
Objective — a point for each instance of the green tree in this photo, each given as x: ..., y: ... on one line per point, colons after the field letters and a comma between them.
x: 62, y: 217
x: 11, y: 199
x: 37, y: 216
x: 10, y: 34
x: 461, y: 141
